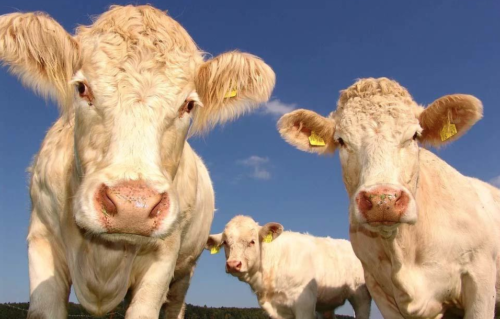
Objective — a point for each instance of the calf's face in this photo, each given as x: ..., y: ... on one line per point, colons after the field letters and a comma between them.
x: 131, y: 85
x: 242, y: 240
x: 377, y: 128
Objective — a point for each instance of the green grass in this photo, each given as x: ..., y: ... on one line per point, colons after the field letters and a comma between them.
x: 19, y: 311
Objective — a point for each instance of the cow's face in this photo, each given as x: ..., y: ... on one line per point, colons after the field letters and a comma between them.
x: 242, y: 240
x: 131, y: 85
x: 377, y: 127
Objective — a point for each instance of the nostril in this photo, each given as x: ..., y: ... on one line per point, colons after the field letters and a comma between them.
x: 238, y: 266
x: 402, y: 202
x: 364, y: 201
x: 108, y: 207
x: 160, y: 206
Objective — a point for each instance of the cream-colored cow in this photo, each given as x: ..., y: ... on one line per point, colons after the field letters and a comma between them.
x: 120, y: 200
x: 428, y: 237
x: 293, y: 274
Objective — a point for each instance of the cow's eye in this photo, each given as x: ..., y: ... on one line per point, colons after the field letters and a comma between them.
x: 82, y: 89
x: 415, y: 136
x: 84, y: 92
x: 190, y: 106
x: 341, y: 141
x: 251, y: 243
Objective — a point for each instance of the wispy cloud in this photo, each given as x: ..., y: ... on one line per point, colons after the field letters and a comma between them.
x: 495, y: 181
x: 277, y: 108
x: 258, y: 165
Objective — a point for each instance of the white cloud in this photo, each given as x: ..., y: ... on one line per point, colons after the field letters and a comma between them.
x: 277, y: 108
x: 495, y: 181
x: 258, y: 164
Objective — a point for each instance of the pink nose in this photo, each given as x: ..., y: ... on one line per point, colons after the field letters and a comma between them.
x: 131, y: 207
x: 383, y: 204
x: 233, y: 266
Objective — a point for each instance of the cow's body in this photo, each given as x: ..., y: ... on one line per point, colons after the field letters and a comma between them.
x: 426, y: 235
x: 102, y: 272
x: 423, y: 271
x: 295, y: 274
x: 301, y: 272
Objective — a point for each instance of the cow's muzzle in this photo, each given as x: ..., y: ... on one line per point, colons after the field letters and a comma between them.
x: 131, y: 207
x: 385, y: 205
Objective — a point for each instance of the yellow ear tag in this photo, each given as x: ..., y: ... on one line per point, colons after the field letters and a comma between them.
x: 214, y: 250
x: 315, y: 140
x: 231, y: 93
x: 448, y: 131
x: 268, y: 238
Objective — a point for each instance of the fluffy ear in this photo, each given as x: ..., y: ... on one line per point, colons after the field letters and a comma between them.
x: 41, y: 53
x: 272, y: 229
x: 449, y: 117
x: 301, y: 128
x: 230, y: 85
x: 213, y: 241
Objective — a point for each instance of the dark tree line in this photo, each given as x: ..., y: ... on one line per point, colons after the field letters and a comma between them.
x: 19, y: 311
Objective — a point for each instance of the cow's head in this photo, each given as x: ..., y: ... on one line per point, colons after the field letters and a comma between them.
x: 130, y: 85
x: 377, y: 128
x: 242, y: 239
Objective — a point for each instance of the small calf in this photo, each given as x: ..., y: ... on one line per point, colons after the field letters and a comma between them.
x: 293, y: 275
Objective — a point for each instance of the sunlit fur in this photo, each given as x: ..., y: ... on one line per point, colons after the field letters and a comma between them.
x: 446, y: 262
x: 140, y: 67
x: 296, y: 274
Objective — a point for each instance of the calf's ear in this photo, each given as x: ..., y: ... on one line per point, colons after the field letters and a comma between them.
x: 213, y: 241
x: 230, y: 85
x: 270, y: 232
x: 308, y: 131
x: 41, y: 53
x: 449, y: 117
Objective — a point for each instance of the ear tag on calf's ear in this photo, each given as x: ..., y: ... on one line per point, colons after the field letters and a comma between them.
x: 316, y: 140
x: 214, y: 250
x: 231, y: 93
x: 448, y: 130
x: 268, y: 238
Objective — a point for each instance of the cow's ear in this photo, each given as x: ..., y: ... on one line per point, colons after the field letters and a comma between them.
x: 308, y: 131
x: 41, y: 53
x: 230, y: 85
x: 270, y: 232
x: 449, y: 117
x: 213, y: 241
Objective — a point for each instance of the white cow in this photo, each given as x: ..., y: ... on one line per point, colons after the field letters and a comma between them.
x: 428, y: 237
x: 120, y: 200
x: 293, y: 274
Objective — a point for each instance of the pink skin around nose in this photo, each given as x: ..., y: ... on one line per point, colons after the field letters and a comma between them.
x: 233, y: 266
x: 382, y: 205
x: 131, y: 207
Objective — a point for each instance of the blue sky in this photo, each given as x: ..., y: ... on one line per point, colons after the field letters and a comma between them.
x: 316, y: 49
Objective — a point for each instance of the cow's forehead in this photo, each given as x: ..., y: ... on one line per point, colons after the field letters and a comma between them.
x: 135, y: 41
x: 374, y: 104
x: 241, y: 227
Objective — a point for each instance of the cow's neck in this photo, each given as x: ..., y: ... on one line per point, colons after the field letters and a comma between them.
x: 434, y: 189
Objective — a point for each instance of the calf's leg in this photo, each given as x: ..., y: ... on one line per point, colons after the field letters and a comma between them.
x: 361, y: 303
x: 305, y: 306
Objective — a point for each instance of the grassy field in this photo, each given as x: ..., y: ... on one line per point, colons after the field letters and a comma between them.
x: 19, y: 311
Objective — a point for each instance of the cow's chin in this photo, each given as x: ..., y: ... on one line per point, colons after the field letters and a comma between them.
x: 386, y: 229
x: 126, y: 239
